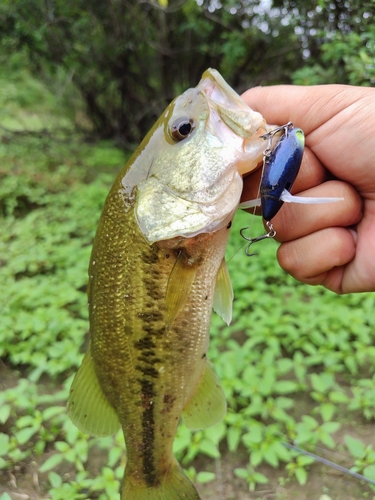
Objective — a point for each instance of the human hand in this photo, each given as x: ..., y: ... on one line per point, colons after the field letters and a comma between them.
x: 331, y: 244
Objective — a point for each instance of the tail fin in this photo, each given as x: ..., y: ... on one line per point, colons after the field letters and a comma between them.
x: 174, y: 486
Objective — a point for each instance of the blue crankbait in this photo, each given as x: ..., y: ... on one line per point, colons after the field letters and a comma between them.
x: 281, y: 166
x: 280, y: 169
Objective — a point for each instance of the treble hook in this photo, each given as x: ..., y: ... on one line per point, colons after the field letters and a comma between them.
x: 271, y: 234
x: 271, y: 133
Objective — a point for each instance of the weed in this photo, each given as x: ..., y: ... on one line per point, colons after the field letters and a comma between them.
x: 294, y: 361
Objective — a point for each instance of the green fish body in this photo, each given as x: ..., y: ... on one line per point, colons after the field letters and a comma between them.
x: 156, y: 271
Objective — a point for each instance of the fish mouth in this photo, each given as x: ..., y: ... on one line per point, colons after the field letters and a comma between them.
x: 235, y: 117
x: 215, y: 87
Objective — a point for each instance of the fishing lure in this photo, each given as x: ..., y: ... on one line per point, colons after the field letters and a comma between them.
x: 281, y: 166
x: 280, y: 169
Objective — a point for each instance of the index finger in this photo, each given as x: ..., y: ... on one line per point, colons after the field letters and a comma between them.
x: 337, y: 121
x: 307, y: 107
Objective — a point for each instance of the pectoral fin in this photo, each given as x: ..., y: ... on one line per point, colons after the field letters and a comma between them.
x: 223, y: 296
x: 88, y: 408
x: 208, y: 406
x: 179, y: 286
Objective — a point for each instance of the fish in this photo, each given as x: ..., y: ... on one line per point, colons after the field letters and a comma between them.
x: 156, y: 271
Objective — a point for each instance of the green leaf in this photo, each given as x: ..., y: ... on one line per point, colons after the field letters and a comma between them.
x: 55, y: 479
x: 330, y: 427
x: 209, y: 448
x: 271, y: 457
x: 254, y: 436
x: 285, y: 386
x: 5, y: 496
x: 4, y: 413
x: 338, y: 397
x: 256, y: 458
x: 4, y: 443
x: 321, y: 382
x: 327, y: 411
x: 233, y: 438
x: 62, y: 446
x: 53, y: 411
x: 260, y: 478
x: 24, y: 435
x: 369, y: 472
x: 51, y: 462
x: 114, y: 455
x: 301, y: 475
x: 205, y: 477
x: 356, y: 447
x: 241, y: 473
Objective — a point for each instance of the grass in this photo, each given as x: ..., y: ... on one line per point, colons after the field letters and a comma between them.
x: 296, y: 363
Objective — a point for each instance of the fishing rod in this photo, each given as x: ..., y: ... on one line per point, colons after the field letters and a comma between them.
x: 329, y: 463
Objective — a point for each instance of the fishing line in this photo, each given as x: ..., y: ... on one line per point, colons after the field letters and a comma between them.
x: 252, y: 213
x: 329, y: 463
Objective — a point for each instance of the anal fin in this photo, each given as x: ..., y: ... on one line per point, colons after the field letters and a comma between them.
x: 208, y: 406
x: 88, y: 407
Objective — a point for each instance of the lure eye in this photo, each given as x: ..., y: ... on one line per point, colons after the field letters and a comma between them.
x: 181, y: 128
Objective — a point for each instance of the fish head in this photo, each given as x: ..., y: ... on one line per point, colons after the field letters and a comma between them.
x: 195, y: 157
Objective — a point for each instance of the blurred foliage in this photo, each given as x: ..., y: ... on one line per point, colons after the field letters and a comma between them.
x: 297, y: 363
x: 128, y: 59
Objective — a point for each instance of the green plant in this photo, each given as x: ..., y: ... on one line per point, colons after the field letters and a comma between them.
x: 296, y: 364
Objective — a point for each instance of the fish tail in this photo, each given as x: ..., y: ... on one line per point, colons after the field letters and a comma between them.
x: 174, y: 486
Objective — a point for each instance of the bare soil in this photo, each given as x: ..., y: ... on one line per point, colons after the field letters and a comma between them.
x: 24, y: 482
x: 323, y: 483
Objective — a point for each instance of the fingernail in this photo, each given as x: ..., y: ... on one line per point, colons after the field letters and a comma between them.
x: 354, y: 234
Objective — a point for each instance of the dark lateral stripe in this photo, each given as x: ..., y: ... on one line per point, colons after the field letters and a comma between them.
x: 148, y: 433
x: 152, y: 316
x: 148, y: 371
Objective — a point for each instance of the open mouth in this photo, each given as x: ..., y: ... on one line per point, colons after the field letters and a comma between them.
x: 233, y: 113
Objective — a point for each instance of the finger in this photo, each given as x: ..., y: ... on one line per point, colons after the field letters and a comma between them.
x: 319, y: 258
x: 311, y: 174
x: 334, y: 118
x: 295, y: 221
x: 359, y: 274
x: 307, y: 107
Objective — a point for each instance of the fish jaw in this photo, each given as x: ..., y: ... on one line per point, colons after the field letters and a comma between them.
x: 233, y: 110
x: 194, y: 185
x: 238, y: 117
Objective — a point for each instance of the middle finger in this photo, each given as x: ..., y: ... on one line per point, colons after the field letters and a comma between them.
x: 295, y: 220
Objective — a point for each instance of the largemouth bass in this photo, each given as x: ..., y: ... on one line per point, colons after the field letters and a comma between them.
x: 157, y: 269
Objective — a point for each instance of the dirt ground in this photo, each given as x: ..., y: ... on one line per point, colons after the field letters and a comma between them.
x: 324, y: 483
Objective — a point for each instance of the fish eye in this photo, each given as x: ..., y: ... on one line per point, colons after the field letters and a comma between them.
x: 181, y: 128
